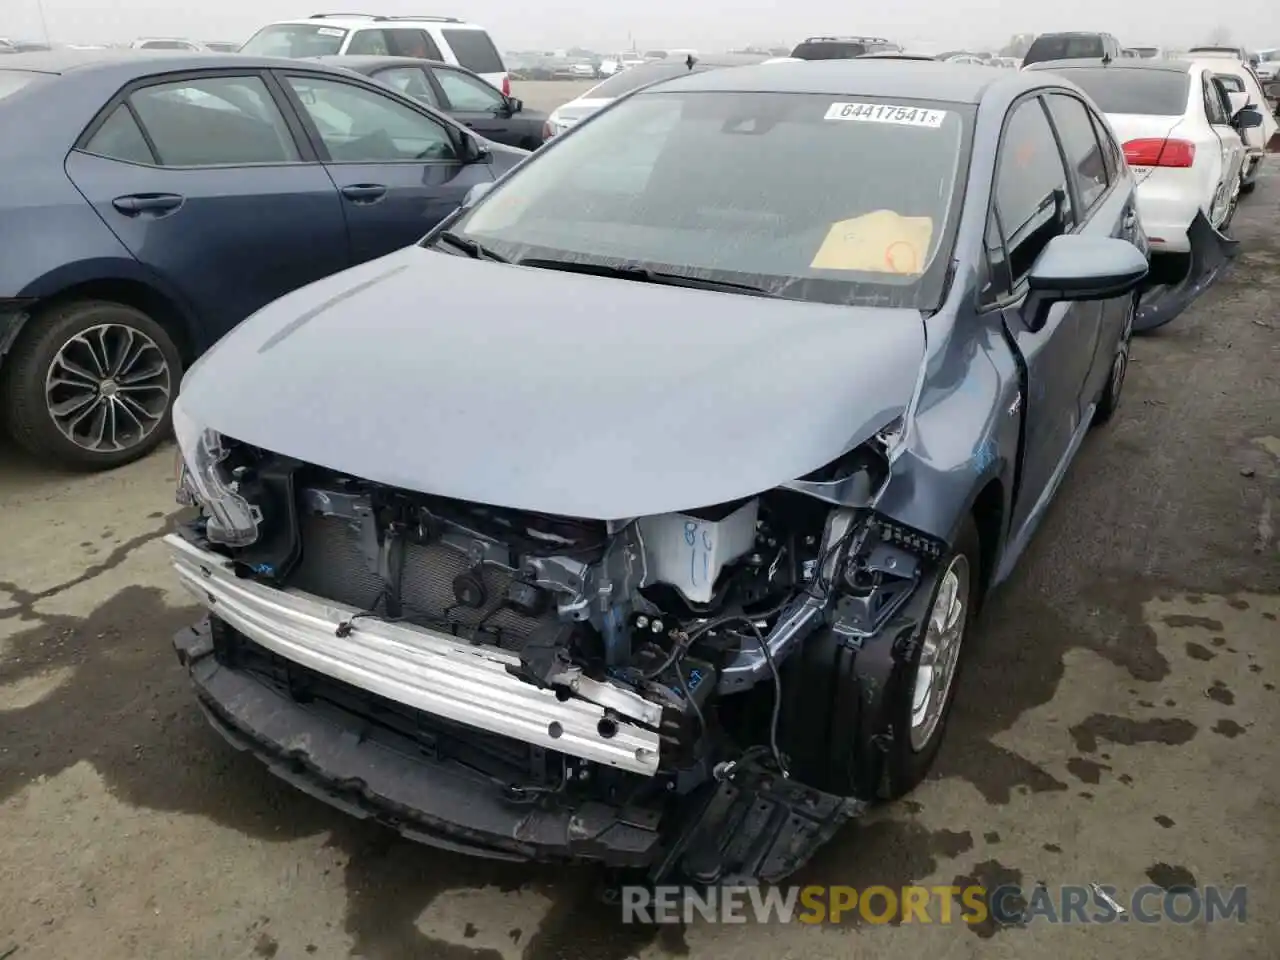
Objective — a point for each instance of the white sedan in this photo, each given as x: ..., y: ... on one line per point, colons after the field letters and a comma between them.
x: 1176, y: 123
x: 1243, y: 88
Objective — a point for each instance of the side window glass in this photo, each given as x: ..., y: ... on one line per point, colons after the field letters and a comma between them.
x: 468, y: 94
x: 1224, y: 98
x: 371, y: 43
x: 998, y: 282
x: 411, y: 43
x: 1111, y: 152
x: 1031, y: 187
x: 360, y: 126
x: 410, y: 81
x: 1080, y: 143
x: 1212, y: 104
x: 120, y: 138
x: 214, y: 121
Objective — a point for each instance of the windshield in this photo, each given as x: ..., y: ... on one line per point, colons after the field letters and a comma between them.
x: 828, y: 201
x: 11, y: 81
x: 1160, y: 93
x: 295, y: 40
x: 1065, y: 48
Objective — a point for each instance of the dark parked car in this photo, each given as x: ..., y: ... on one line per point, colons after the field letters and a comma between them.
x: 154, y: 200
x: 1072, y: 46
x: 640, y: 513
x: 841, y: 48
x: 463, y: 95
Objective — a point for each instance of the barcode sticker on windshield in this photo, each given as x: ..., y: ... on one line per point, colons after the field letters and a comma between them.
x: 331, y: 32
x: 886, y: 113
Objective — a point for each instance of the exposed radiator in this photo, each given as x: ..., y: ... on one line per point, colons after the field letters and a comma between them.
x: 333, y: 566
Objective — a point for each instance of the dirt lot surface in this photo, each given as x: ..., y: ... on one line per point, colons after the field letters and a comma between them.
x: 1117, y: 722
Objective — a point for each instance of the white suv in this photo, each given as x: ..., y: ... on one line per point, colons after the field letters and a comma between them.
x: 446, y: 39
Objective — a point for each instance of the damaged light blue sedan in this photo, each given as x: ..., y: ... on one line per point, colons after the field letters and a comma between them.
x: 638, y: 514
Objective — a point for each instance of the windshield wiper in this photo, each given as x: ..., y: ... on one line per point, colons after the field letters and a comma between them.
x: 477, y: 251
x: 629, y: 271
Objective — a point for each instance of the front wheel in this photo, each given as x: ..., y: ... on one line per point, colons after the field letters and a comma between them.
x: 90, y: 384
x: 1119, y: 367
x: 924, y: 689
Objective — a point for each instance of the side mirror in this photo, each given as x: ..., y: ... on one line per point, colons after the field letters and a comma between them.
x: 1074, y: 268
x: 473, y: 151
x: 515, y: 104
x: 1248, y: 118
x: 475, y: 193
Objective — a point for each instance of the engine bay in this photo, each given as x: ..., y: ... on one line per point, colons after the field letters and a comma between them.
x: 655, y: 618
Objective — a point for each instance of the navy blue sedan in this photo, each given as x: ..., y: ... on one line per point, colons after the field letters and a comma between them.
x: 152, y: 201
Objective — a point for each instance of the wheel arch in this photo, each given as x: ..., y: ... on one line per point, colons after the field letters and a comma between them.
x: 127, y: 285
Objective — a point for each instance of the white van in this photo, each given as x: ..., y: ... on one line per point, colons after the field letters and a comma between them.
x: 446, y: 39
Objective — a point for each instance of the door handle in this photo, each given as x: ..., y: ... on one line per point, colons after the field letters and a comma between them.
x: 364, y: 192
x: 140, y: 203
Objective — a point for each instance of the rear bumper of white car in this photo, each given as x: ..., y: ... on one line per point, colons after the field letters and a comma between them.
x: 1167, y: 203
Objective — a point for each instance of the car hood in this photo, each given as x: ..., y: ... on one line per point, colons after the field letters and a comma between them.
x: 548, y: 391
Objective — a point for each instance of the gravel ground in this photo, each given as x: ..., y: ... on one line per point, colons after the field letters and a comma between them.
x: 1116, y: 721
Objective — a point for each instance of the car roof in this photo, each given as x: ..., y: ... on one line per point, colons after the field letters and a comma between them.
x: 861, y: 76
x: 896, y: 55
x: 1074, y: 33
x: 353, y: 20
x: 1096, y: 63
x: 137, y: 61
x: 371, y: 61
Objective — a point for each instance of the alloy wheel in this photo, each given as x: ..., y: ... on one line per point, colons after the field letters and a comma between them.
x: 940, y: 653
x: 108, y: 388
x: 1120, y: 366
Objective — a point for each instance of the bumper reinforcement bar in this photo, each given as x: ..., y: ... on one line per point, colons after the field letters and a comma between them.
x: 418, y: 667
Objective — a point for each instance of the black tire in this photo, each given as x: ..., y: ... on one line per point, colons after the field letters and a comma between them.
x: 1119, y: 368
x: 22, y: 382
x: 1248, y: 186
x: 905, y: 766
x: 825, y: 733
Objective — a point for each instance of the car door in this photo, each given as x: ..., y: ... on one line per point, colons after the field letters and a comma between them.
x: 205, y: 180
x: 1032, y: 203
x: 1225, y: 171
x: 398, y: 168
x: 1106, y: 206
x: 1231, y: 136
x: 474, y: 103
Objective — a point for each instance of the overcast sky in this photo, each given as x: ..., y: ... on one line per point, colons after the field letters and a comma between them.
x: 702, y: 24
